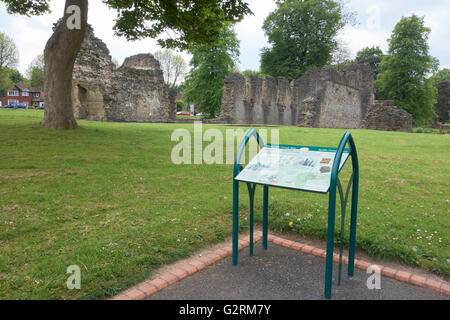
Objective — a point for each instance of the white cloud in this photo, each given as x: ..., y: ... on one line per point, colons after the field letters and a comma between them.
x: 357, y: 38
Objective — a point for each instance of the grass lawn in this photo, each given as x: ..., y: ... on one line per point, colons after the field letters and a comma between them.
x: 107, y: 198
x: 190, y: 117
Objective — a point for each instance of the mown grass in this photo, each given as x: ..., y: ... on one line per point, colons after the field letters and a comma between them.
x: 106, y: 197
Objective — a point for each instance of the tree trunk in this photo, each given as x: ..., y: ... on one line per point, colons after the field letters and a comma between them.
x: 60, y: 53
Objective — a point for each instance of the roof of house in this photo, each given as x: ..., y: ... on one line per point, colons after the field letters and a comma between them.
x: 20, y: 85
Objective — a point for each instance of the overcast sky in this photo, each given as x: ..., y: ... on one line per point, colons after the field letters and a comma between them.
x: 376, y: 20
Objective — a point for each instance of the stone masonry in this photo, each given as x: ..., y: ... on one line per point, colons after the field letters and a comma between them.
x: 320, y: 98
x: 135, y: 92
x: 383, y: 115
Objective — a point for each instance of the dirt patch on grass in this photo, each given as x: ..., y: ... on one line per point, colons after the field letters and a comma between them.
x: 395, y: 181
x: 10, y: 208
x: 42, y: 175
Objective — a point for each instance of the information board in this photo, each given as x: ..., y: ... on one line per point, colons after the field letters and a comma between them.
x: 299, y: 168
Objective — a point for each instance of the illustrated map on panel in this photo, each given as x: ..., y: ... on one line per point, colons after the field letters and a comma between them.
x: 293, y: 168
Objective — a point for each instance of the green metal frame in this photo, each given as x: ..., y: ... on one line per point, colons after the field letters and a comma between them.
x: 335, y: 185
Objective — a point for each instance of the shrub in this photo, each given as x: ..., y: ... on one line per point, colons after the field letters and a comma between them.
x: 181, y: 105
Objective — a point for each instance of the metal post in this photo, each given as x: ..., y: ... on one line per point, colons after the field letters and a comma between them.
x: 265, y: 216
x: 251, y: 193
x: 353, y: 220
x: 235, y: 221
x: 330, y: 242
x: 237, y: 168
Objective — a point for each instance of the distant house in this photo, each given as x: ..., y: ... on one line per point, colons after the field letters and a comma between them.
x: 21, y: 95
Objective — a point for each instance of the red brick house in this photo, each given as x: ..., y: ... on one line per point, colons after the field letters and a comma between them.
x: 22, y: 95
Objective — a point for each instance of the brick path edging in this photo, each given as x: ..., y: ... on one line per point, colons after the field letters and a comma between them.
x: 184, y: 268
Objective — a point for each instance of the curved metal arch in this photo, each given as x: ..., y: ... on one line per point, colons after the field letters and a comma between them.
x: 237, y: 163
x: 347, y: 138
x: 334, y: 185
x: 237, y: 169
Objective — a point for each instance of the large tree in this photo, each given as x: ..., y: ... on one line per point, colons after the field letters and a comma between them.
x: 15, y: 75
x: 210, y: 65
x: 441, y: 81
x: 301, y: 34
x: 190, y: 21
x: 35, y: 72
x: 405, y: 69
x: 9, y: 57
x: 173, y: 66
x: 5, y: 81
x: 372, y: 56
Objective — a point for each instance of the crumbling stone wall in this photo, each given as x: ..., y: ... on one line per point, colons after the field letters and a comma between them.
x: 383, y: 115
x: 135, y: 92
x: 91, y: 77
x: 322, y: 98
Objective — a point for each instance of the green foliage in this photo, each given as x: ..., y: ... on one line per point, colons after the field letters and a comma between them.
x: 5, y: 80
x: 35, y: 72
x: 9, y: 57
x: 426, y: 130
x: 182, y: 106
x: 441, y: 81
x: 442, y: 75
x: 180, y: 88
x: 302, y: 34
x: 37, y: 78
x: 210, y: 66
x: 15, y: 75
x: 372, y: 56
x: 442, y: 106
x: 404, y: 70
x: 258, y: 73
x: 27, y: 7
x: 190, y: 21
x: 193, y: 21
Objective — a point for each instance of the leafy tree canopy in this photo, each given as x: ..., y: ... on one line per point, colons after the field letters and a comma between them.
x: 9, y: 56
x: 302, y: 34
x: 255, y: 72
x: 15, y: 75
x: 210, y: 66
x: 405, y: 69
x: 5, y: 81
x: 372, y: 56
x: 191, y: 21
x: 442, y: 75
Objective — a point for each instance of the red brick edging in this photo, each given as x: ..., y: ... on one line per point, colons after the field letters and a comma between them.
x: 182, y: 269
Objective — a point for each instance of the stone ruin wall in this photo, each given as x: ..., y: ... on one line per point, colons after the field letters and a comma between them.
x: 135, y: 92
x: 383, y: 115
x: 320, y: 98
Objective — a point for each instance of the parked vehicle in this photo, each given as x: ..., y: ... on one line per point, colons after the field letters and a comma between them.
x: 21, y: 106
x: 40, y: 108
x: 9, y: 106
x: 183, y: 113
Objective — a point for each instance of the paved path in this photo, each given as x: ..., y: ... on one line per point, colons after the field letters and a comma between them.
x: 283, y: 274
